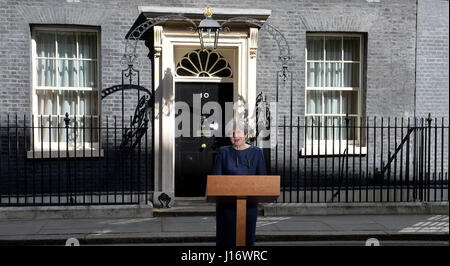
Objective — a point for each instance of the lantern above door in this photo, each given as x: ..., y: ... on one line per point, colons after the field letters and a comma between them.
x: 208, y: 31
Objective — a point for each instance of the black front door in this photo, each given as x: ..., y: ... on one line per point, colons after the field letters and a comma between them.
x: 195, y: 153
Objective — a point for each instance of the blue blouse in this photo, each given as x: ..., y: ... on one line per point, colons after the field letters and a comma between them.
x: 230, y: 161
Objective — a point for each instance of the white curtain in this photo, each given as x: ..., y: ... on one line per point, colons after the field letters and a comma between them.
x: 351, y: 48
x: 351, y: 53
x: 67, y: 44
x: 87, y: 46
x: 350, y: 102
x: 333, y: 48
x: 68, y: 101
x: 65, y: 68
x: 332, y: 105
x: 45, y: 44
x: 87, y: 73
x: 76, y: 103
x: 46, y: 108
x: 333, y: 75
x: 58, y: 65
x: 45, y: 48
x: 332, y: 102
x: 314, y: 102
x: 315, y: 74
x: 314, y: 46
x: 333, y: 72
x: 351, y: 75
x: 312, y: 123
x: 67, y: 51
x: 67, y: 73
x: 46, y: 75
x: 331, y: 121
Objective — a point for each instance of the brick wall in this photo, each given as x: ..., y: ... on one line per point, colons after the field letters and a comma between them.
x: 432, y: 58
x: 390, y: 28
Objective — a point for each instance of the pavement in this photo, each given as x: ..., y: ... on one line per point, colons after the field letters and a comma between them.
x: 201, y: 229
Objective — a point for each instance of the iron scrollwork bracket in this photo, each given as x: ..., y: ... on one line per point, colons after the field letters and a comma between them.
x: 262, y: 106
x: 130, y: 54
x: 139, y: 124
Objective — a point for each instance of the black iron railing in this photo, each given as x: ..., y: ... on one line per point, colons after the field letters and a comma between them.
x: 78, y: 160
x: 352, y: 159
x: 86, y: 160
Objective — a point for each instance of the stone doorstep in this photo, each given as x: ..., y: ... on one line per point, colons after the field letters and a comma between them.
x: 190, y: 211
x: 187, y: 207
x: 77, y: 212
x: 185, y: 211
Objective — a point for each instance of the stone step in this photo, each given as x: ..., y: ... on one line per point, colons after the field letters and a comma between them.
x: 190, y: 203
x: 185, y: 211
x: 189, y: 207
x: 192, y: 210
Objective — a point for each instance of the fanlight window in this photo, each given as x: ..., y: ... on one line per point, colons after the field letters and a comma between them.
x: 205, y: 63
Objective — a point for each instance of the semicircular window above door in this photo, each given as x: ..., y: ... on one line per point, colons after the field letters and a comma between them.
x: 205, y: 63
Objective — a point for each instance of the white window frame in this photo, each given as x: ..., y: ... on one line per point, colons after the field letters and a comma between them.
x: 318, y: 147
x: 43, y: 148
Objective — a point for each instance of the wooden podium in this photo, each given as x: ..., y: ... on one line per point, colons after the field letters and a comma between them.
x: 240, y: 189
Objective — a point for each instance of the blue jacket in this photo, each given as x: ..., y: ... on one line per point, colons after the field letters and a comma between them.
x: 230, y: 161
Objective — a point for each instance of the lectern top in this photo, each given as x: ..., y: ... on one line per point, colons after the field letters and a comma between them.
x: 261, y: 188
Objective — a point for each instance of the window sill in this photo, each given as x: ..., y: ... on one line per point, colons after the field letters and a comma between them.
x: 88, y: 153
x: 352, y: 151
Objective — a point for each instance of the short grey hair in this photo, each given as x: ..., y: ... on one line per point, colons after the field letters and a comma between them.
x: 239, y: 124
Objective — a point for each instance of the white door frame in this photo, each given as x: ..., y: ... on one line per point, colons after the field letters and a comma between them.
x: 166, y: 42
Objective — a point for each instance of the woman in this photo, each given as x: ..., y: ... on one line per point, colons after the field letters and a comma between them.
x: 238, y: 159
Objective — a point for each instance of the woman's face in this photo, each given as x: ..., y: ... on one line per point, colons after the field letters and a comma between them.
x: 238, y: 137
